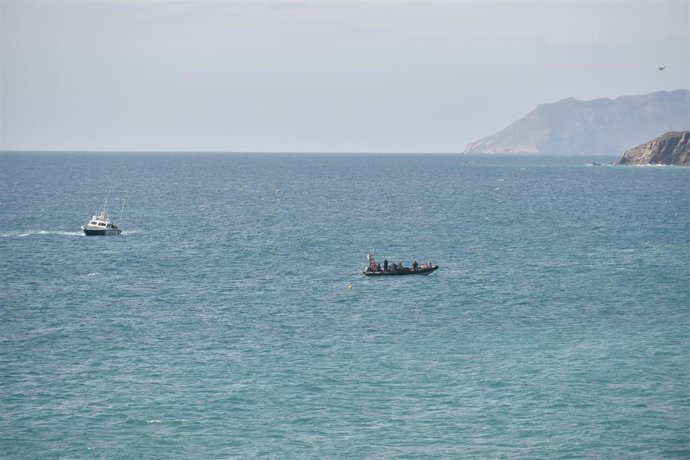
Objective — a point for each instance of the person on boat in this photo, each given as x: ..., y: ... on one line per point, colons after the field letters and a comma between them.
x: 385, y: 265
x: 415, y: 265
x: 378, y: 267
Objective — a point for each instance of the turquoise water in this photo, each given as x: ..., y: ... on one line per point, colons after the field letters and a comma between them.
x: 220, y: 323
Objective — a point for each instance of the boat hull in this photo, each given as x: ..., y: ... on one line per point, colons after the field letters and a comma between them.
x: 403, y: 272
x: 101, y: 232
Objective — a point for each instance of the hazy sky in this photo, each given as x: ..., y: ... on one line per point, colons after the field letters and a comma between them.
x: 317, y: 76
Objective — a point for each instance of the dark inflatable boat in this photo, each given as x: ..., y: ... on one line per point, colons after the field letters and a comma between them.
x: 401, y: 271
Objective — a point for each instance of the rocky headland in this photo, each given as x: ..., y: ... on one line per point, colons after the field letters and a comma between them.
x: 668, y: 149
x: 600, y: 126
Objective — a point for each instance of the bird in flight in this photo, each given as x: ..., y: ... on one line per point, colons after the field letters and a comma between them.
x: 662, y: 67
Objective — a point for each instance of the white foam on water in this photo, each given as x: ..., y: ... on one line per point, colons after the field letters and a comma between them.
x: 40, y: 232
x: 177, y: 420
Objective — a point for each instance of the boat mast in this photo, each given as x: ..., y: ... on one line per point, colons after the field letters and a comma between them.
x: 105, y: 206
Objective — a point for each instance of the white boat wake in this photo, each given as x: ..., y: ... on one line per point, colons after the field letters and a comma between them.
x: 23, y: 234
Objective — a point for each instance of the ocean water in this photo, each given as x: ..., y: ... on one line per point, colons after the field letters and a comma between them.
x: 220, y: 324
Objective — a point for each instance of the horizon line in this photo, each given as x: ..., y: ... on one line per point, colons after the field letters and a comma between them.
x: 230, y: 152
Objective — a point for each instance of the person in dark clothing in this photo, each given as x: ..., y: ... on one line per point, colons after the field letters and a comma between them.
x: 385, y: 265
x: 415, y: 265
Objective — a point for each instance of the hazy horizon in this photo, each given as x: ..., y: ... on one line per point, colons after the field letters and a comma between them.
x: 317, y: 77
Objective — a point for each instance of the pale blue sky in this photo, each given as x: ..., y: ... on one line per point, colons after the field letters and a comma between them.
x: 317, y: 76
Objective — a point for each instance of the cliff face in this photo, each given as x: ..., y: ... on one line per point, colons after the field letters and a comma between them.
x: 598, y: 126
x: 669, y: 149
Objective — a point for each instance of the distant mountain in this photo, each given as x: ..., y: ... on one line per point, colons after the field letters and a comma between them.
x: 669, y: 149
x: 598, y: 126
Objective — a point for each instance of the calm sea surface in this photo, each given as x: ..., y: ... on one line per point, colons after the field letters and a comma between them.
x: 220, y: 324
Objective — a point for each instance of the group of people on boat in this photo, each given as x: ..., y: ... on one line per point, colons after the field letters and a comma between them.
x: 393, y: 267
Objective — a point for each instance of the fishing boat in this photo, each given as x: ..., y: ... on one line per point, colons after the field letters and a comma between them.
x: 100, y: 223
x: 375, y: 269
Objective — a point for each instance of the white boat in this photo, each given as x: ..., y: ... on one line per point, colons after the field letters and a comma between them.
x: 100, y: 224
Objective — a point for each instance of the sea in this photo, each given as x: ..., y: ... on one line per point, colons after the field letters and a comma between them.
x: 231, y: 319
